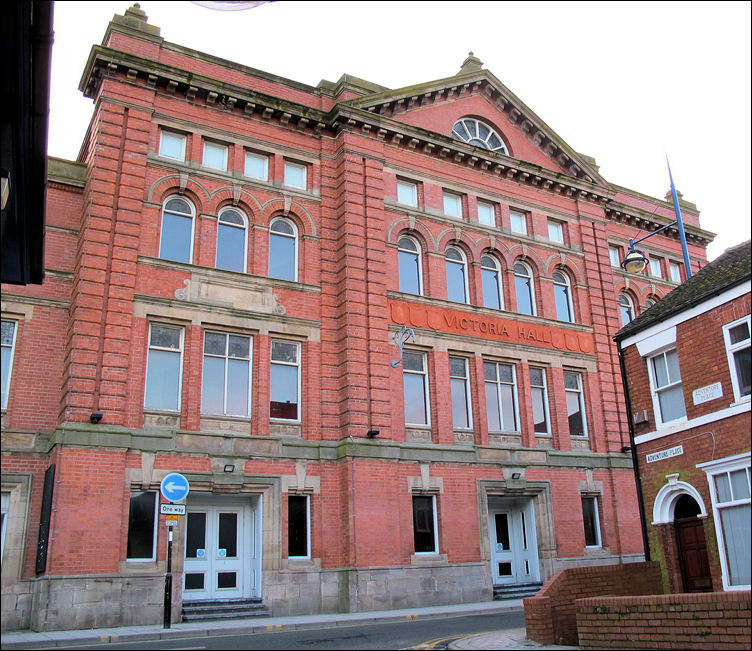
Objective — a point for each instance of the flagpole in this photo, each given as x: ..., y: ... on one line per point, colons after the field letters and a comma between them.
x: 679, y: 223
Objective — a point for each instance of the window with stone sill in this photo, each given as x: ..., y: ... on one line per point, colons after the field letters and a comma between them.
x: 415, y: 388
x: 283, y: 250
x: 501, y: 397
x: 524, y: 289
x: 176, y: 235
x: 452, y: 205
x: 285, y: 378
x: 215, y: 156
x: 256, y: 166
x: 8, y: 340
x: 575, y: 399
x: 407, y: 193
x: 232, y: 240
x: 490, y: 271
x: 456, y: 275
x: 296, y: 175
x: 486, y: 213
x: 459, y: 379
x: 518, y: 222
x: 298, y: 526
x: 226, y: 376
x: 172, y: 145
x: 142, y: 527
x: 425, y: 525
x: 164, y: 365
x: 410, y: 268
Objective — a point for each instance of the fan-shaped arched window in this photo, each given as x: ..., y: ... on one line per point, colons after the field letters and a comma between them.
x: 563, y: 297
x: 283, y: 250
x: 523, y: 287
x: 475, y: 132
x: 456, y: 275
x: 626, y: 308
x: 410, y: 275
x: 232, y: 240
x: 176, y: 241
x: 492, y: 295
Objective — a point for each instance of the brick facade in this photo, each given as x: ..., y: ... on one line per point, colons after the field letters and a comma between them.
x: 86, y: 341
x: 686, y: 455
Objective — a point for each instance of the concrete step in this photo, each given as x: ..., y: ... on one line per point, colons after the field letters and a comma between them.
x: 227, y: 609
x: 518, y: 591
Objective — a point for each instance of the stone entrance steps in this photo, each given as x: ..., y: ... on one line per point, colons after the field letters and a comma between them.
x: 519, y: 591
x: 194, y: 611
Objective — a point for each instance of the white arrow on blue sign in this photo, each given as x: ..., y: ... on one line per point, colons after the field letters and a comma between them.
x: 174, y: 487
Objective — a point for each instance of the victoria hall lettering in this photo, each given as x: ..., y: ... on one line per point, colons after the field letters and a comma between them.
x: 442, y: 320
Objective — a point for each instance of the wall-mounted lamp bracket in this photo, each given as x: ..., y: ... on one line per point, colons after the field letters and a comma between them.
x: 400, y: 338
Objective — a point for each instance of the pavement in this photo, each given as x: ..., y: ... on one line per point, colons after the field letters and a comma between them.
x: 504, y: 639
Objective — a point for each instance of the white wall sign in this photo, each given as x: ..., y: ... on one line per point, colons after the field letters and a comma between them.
x: 664, y: 454
x: 710, y: 392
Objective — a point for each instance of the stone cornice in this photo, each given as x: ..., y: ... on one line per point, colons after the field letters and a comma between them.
x: 644, y: 220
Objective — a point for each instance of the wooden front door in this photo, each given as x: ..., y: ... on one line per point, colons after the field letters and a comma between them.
x: 693, y: 555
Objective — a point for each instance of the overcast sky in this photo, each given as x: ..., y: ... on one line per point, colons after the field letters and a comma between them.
x: 627, y: 83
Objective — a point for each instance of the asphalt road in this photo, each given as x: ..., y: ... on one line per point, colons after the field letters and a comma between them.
x: 427, y: 633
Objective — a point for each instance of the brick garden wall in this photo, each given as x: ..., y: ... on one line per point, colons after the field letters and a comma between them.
x: 550, y: 615
x: 717, y: 620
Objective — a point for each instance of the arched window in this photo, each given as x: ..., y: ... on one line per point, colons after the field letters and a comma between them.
x: 232, y: 240
x: 523, y: 287
x: 475, y: 132
x: 176, y: 238
x: 410, y: 275
x: 490, y: 275
x: 563, y: 296
x: 626, y: 307
x: 283, y: 250
x: 456, y: 275
x: 650, y: 301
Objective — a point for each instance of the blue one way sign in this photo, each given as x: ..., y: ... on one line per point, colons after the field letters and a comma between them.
x: 174, y: 487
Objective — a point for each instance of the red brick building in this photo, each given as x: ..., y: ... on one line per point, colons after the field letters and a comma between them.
x: 230, y: 264
x: 687, y: 367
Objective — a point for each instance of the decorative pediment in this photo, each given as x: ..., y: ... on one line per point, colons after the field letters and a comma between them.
x: 472, y: 80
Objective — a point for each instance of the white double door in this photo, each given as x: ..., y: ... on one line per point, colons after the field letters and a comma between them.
x: 514, y: 546
x: 221, y: 549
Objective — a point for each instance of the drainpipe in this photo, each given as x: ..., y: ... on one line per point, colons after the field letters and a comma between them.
x: 633, y: 448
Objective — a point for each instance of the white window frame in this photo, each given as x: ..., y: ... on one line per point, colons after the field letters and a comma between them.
x: 150, y: 347
x: 294, y: 237
x: 465, y: 390
x: 452, y: 204
x: 298, y: 365
x: 425, y: 383
x: 498, y: 383
x: 418, y: 254
x: 407, y: 187
x: 218, y: 147
x: 227, y: 359
x: 555, y: 231
x: 614, y: 256
x: 486, y: 213
x: 625, y: 298
x: 543, y: 389
x: 567, y: 293
x: 244, y: 227
x: 307, y: 525
x: 521, y: 220
x: 656, y: 270
x: 656, y: 390
x: 497, y: 270
x: 435, y: 525
x: 179, y: 137
x: 192, y: 217
x: 528, y: 274
x: 460, y: 263
x: 155, y: 530
x: 712, y: 469
x: 597, y: 523
x: 302, y: 168
x: 260, y: 157
x: 733, y: 348
x: 674, y: 271
x: 8, y: 373
x: 580, y: 392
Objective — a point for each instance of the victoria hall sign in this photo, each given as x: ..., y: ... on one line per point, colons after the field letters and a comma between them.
x: 515, y: 332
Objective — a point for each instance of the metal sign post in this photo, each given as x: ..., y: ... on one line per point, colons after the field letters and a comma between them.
x: 174, y: 488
